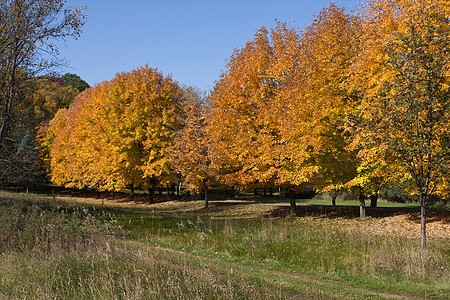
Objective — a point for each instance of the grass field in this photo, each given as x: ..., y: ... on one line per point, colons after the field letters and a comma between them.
x: 77, y: 248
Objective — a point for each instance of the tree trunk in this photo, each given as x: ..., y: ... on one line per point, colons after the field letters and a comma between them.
x: 10, y: 96
x: 292, y: 197
x: 264, y: 193
x: 172, y: 189
x: 270, y: 192
x: 132, y: 192
x: 374, y: 200
x: 112, y: 194
x: 206, y: 198
x: 54, y: 197
x: 160, y: 190
x: 5, y: 121
x: 150, y: 194
x: 423, y: 230
x: 255, y: 192
x: 333, y: 198
x: 362, y: 206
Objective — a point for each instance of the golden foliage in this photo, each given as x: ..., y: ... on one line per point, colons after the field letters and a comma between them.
x: 118, y: 133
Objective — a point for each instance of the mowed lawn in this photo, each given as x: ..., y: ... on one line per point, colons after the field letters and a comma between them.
x: 88, y: 248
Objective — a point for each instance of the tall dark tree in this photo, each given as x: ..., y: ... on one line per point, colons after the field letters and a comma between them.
x: 26, y: 166
x: 75, y: 81
x: 29, y: 30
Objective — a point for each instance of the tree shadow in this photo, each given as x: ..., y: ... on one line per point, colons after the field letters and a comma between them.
x: 322, y: 211
x: 351, y: 212
x: 214, y: 207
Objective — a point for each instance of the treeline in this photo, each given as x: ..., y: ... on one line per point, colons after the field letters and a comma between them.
x: 353, y: 102
x: 334, y: 106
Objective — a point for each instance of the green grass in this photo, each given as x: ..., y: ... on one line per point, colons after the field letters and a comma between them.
x: 75, y: 249
x: 317, y: 248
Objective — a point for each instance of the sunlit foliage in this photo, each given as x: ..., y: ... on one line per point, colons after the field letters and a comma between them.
x: 118, y: 133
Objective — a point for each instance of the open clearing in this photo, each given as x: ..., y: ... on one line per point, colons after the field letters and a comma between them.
x: 180, y: 250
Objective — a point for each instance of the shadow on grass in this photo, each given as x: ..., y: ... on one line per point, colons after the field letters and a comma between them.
x: 351, y: 212
x: 324, y: 211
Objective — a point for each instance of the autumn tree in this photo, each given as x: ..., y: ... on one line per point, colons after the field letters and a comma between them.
x: 241, y: 123
x: 118, y: 133
x: 282, y: 99
x: 29, y: 30
x: 190, y: 153
x: 67, y: 145
x: 406, y: 106
x: 313, y: 100
x: 331, y: 44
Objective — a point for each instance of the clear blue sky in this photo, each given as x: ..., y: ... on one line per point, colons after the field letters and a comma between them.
x: 189, y: 39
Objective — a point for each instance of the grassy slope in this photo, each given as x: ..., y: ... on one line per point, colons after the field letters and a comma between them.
x: 179, y: 249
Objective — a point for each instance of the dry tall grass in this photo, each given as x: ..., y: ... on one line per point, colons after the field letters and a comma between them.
x: 70, y: 254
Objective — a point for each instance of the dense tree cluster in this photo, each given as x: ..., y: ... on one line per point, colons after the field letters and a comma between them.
x: 29, y: 31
